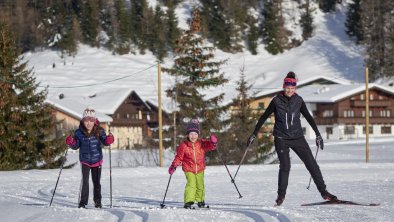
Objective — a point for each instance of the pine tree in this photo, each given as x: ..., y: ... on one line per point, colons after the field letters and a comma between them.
x: 27, y: 128
x: 150, y: 35
x: 89, y: 22
x: 71, y: 33
x: 390, y: 54
x: 158, y: 45
x: 353, y: 22
x: 173, y: 31
x: 106, y: 9
x: 218, y: 28
x: 275, y: 35
x: 123, y: 28
x: 196, y: 71
x: 328, y: 5
x: 239, y: 127
x: 53, y: 21
x: 374, y: 21
x: 252, y: 35
x: 139, y: 10
x: 306, y: 21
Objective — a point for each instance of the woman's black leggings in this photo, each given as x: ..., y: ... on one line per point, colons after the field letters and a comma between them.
x: 301, y: 148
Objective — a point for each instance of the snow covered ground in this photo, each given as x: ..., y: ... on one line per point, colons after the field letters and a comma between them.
x: 138, y: 192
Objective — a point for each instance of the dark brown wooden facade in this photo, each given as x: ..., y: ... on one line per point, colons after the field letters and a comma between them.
x: 134, y: 112
x: 351, y: 110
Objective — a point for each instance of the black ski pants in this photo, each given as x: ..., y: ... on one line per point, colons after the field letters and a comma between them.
x: 96, y: 174
x: 303, y: 151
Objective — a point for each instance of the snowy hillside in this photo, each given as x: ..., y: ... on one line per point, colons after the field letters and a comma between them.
x: 329, y: 53
x: 138, y: 192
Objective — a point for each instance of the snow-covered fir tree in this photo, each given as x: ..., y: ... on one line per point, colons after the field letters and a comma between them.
x: 196, y: 70
x: 239, y: 127
x: 28, y: 136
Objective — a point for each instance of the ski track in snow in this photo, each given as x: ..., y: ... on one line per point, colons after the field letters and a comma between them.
x: 138, y: 192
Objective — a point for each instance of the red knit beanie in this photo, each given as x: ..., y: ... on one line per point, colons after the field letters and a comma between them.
x: 290, y: 80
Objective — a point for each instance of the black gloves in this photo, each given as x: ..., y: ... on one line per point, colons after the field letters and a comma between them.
x: 319, y: 142
x: 250, y: 140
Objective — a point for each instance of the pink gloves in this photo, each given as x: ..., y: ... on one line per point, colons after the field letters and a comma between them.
x: 172, y: 169
x: 110, y: 139
x: 70, y: 141
x: 214, y: 139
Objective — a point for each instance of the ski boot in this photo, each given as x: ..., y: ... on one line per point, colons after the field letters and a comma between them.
x: 81, y: 205
x: 279, y: 200
x: 327, y: 196
x: 188, y: 205
x: 202, y: 205
x: 98, y: 205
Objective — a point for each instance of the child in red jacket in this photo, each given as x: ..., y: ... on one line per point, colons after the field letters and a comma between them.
x: 191, y: 154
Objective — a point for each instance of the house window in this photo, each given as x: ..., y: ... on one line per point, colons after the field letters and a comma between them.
x: 385, y: 113
x: 350, y: 130
x: 148, y: 117
x: 370, y: 96
x: 139, y: 114
x: 261, y: 106
x: 380, y: 97
x: 370, y: 130
x: 329, y: 130
x: 385, y: 130
x: 117, y: 115
x: 362, y: 97
x: 328, y: 113
x: 348, y: 113
x: 370, y: 113
x: 127, y: 116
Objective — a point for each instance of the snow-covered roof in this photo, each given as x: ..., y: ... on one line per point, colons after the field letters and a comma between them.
x: 108, y: 100
x: 335, y: 92
x: 75, y: 108
x: 105, y: 100
x: 302, y: 83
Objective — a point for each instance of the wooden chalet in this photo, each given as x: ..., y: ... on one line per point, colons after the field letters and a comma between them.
x: 121, y: 110
x: 339, y: 110
x: 70, y: 111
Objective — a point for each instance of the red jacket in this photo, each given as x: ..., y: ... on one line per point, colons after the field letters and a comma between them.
x: 192, y: 155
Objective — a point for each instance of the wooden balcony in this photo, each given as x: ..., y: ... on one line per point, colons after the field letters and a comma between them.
x: 372, y: 103
x: 128, y: 122
x: 353, y: 120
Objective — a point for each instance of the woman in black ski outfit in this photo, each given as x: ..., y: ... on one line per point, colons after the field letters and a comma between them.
x: 287, y: 107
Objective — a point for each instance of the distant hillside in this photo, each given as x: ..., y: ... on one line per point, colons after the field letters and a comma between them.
x: 328, y: 53
x: 233, y: 26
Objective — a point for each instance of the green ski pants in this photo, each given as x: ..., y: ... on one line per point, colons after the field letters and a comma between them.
x: 194, y: 189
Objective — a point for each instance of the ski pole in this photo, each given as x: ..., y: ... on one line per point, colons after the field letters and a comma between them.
x: 310, y: 179
x: 60, y: 172
x: 225, y: 165
x: 242, y: 160
x: 165, y: 194
x: 80, y: 185
x: 110, y: 170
